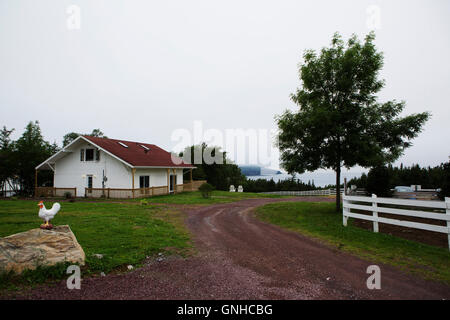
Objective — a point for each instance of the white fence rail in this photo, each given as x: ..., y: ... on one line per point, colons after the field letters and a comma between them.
x: 325, y: 192
x: 417, y: 206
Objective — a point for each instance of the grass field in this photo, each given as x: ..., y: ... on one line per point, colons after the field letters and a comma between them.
x: 194, y: 198
x: 319, y: 220
x: 216, y: 197
x: 123, y: 233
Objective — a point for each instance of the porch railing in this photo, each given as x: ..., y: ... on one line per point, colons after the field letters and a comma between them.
x: 117, y: 193
x: 54, y: 192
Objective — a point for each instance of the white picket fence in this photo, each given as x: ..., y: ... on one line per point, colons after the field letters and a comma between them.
x: 325, y: 192
x: 360, y: 203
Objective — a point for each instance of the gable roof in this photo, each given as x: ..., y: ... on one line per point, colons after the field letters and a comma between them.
x: 131, y: 153
x: 138, y: 154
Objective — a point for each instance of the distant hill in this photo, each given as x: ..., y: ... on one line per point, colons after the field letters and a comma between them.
x: 254, y: 170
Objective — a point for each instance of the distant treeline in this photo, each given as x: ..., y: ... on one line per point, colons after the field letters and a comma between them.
x: 263, y: 185
x: 380, y: 180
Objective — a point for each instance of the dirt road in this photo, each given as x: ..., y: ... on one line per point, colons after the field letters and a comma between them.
x: 240, y: 257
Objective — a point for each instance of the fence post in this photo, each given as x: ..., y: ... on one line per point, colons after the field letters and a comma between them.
x: 447, y: 211
x: 344, y: 204
x: 375, y: 213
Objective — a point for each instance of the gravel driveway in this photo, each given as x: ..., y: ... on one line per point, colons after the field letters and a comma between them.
x: 240, y: 257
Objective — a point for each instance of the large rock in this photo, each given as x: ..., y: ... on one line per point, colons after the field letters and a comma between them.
x: 29, y: 249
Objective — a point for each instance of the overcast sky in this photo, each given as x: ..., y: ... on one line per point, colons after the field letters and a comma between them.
x: 139, y: 70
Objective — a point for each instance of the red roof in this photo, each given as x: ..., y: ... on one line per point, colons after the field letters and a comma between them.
x: 135, y: 153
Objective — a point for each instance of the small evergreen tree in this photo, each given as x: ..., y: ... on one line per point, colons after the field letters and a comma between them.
x: 378, y: 181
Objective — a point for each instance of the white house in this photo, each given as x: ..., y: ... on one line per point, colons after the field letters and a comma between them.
x: 93, y: 166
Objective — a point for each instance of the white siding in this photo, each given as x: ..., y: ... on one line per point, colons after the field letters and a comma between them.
x: 71, y: 172
x: 158, y: 177
x: 179, y: 176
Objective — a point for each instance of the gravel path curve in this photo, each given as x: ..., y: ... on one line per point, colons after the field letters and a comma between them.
x: 240, y: 257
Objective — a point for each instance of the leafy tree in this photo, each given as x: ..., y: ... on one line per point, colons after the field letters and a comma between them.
x: 220, y: 173
x: 98, y: 133
x: 340, y: 123
x: 30, y: 150
x: 69, y: 137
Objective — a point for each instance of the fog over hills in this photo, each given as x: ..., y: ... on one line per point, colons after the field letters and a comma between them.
x: 255, y: 170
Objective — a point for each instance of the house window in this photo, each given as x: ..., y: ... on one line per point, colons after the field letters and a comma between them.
x: 89, y: 155
x: 97, y: 155
x: 89, y: 182
x: 82, y: 155
x: 144, y: 182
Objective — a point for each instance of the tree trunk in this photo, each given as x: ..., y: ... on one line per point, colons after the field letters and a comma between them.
x: 338, y: 189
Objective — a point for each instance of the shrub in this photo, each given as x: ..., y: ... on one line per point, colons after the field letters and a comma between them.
x: 67, y: 195
x: 206, y: 190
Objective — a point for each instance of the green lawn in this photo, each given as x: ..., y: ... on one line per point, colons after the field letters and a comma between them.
x: 216, y: 197
x: 194, y: 198
x: 124, y: 233
x: 320, y: 221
